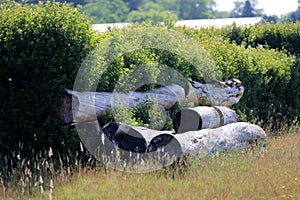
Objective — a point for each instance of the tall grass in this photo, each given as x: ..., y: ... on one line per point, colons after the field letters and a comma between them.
x: 269, y: 173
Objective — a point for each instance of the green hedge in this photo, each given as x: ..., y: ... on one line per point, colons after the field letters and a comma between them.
x: 41, y: 47
x: 284, y: 37
x: 129, y: 49
x: 267, y: 37
x: 270, y: 77
x: 281, y: 36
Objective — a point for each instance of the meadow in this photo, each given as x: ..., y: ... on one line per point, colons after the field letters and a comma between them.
x: 272, y: 172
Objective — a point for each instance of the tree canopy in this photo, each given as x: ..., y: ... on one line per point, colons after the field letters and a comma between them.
x: 151, y: 12
x: 246, y: 9
x: 156, y: 11
x: 103, y: 11
x: 148, y: 10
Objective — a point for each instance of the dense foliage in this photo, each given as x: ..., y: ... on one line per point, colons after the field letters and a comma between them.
x: 283, y: 37
x: 148, y: 10
x: 41, y: 48
x: 103, y: 11
x: 73, y: 2
x: 270, y: 76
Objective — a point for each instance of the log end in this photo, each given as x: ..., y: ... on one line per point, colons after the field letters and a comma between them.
x: 66, y: 113
x: 165, y: 144
x: 186, y: 120
x: 126, y: 138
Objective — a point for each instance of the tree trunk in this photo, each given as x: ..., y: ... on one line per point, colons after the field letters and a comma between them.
x: 131, y: 138
x: 203, y: 117
x: 239, y: 135
x: 85, y: 106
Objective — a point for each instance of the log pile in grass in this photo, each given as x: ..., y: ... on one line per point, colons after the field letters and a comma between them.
x: 236, y: 136
x: 142, y: 140
x: 206, y: 129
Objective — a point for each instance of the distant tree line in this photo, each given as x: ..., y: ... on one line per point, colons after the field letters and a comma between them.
x: 148, y: 10
x: 248, y: 8
x: 110, y: 11
x: 73, y: 2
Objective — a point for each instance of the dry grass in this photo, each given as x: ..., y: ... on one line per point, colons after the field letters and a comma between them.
x: 270, y: 173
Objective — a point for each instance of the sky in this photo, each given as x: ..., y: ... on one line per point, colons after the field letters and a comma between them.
x: 271, y: 7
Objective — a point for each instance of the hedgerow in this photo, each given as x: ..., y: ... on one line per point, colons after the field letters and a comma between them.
x: 265, y: 73
x: 282, y: 37
x: 41, y: 47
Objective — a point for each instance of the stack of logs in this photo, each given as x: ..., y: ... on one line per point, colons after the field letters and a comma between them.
x: 201, y: 130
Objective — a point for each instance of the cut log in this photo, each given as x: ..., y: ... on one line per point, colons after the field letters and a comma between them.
x: 200, y: 143
x: 216, y: 93
x: 94, y: 140
x: 131, y: 148
x: 86, y: 106
x: 131, y: 138
x: 165, y: 147
x: 203, y: 117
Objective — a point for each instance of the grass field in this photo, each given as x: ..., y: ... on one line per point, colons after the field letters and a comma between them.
x: 269, y: 173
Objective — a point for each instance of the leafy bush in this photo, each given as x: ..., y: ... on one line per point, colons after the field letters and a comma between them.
x: 139, y: 59
x: 149, y: 48
x: 282, y: 37
x: 269, y: 76
x: 42, y: 47
x: 265, y: 73
x: 279, y: 36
